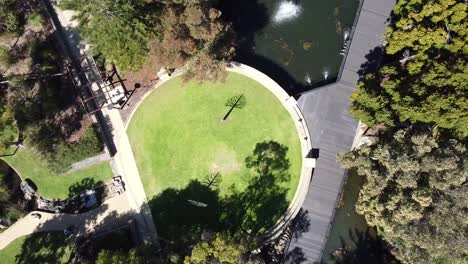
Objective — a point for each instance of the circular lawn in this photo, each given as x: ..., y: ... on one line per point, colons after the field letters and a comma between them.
x: 179, y: 137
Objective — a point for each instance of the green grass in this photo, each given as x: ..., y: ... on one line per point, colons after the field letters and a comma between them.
x: 43, y: 247
x: 29, y: 164
x: 177, y: 134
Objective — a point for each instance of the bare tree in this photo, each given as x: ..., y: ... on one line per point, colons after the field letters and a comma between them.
x: 238, y: 101
x: 212, y: 179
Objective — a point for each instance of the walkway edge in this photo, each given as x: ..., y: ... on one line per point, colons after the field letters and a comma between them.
x: 306, y: 145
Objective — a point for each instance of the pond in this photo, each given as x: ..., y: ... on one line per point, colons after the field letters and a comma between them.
x: 351, y: 240
x: 297, y: 43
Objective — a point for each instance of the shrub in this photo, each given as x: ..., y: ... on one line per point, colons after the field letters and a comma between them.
x: 66, y: 154
x: 5, y: 58
x: 35, y: 19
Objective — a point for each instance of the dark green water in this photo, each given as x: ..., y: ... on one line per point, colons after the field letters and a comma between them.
x: 351, y: 233
x: 294, y: 42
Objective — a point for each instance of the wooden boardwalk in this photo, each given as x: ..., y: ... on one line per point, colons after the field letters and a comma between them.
x: 332, y: 129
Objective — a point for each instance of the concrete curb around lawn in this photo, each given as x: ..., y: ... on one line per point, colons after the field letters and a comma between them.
x: 306, y: 146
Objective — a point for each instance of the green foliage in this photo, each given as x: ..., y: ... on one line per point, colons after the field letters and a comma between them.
x: 430, y: 82
x: 65, y: 154
x: 9, y: 209
x: 182, y: 33
x: 416, y: 193
x: 8, y: 129
x: 35, y: 19
x: 5, y: 58
x: 116, y: 29
x: 141, y: 255
x: 9, y: 19
x: 220, y: 250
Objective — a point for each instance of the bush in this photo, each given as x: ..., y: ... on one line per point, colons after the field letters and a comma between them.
x: 66, y: 154
x: 5, y: 58
x: 35, y: 19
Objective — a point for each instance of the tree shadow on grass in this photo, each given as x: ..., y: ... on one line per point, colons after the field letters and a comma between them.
x: 182, y: 216
x: 48, y: 244
x: 43, y: 247
x: 83, y: 185
x: 261, y: 204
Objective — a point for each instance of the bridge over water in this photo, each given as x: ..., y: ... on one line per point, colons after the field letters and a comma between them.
x: 332, y: 129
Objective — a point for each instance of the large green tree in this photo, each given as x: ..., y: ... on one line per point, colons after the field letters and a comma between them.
x: 194, y: 35
x: 174, y: 33
x: 416, y: 194
x: 117, y: 29
x: 426, y: 78
x: 219, y: 250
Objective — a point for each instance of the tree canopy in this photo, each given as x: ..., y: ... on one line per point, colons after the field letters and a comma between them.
x: 426, y: 78
x: 176, y: 33
x: 219, y: 250
x: 416, y: 193
x: 116, y: 29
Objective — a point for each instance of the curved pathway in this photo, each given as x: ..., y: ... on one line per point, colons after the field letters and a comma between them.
x: 333, y: 128
x: 111, y: 214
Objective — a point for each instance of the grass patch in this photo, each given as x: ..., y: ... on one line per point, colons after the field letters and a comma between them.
x: 43, y: 247
x: 29, y: 164
x: 177, y: 134
x: 66, y: 154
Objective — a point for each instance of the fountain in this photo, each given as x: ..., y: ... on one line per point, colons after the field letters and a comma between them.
x: 287, y: 10
x: 325, y: 74
x: 346, y: 34
x: 307, y: 79
x: 292, y: 41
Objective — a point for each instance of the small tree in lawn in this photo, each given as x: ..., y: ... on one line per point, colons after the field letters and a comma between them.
x: 238, y: 101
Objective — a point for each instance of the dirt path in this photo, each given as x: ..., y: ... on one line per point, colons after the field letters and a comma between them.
x: 89, y: 162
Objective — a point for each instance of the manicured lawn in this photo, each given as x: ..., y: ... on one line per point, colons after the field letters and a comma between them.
x: 177, y: 134
x: 44, y: 247
x: 29, y: 164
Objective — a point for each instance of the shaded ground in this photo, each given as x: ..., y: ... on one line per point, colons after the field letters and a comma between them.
x: 30, y: 165
x: 44, y: 247
x: 184, y: 216
x: 178, y: 134
x: 350, y: 239
x: 12, y: 206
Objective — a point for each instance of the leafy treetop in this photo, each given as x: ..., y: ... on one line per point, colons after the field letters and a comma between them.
x: 429, y: 84
x: 416, y: 194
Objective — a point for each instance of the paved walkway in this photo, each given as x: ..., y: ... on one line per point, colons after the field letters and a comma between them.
x: 112, y: 213
x: 89, y: 162
x: 124, y: 163
x: 131, y: 205
x: 332, y: 129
